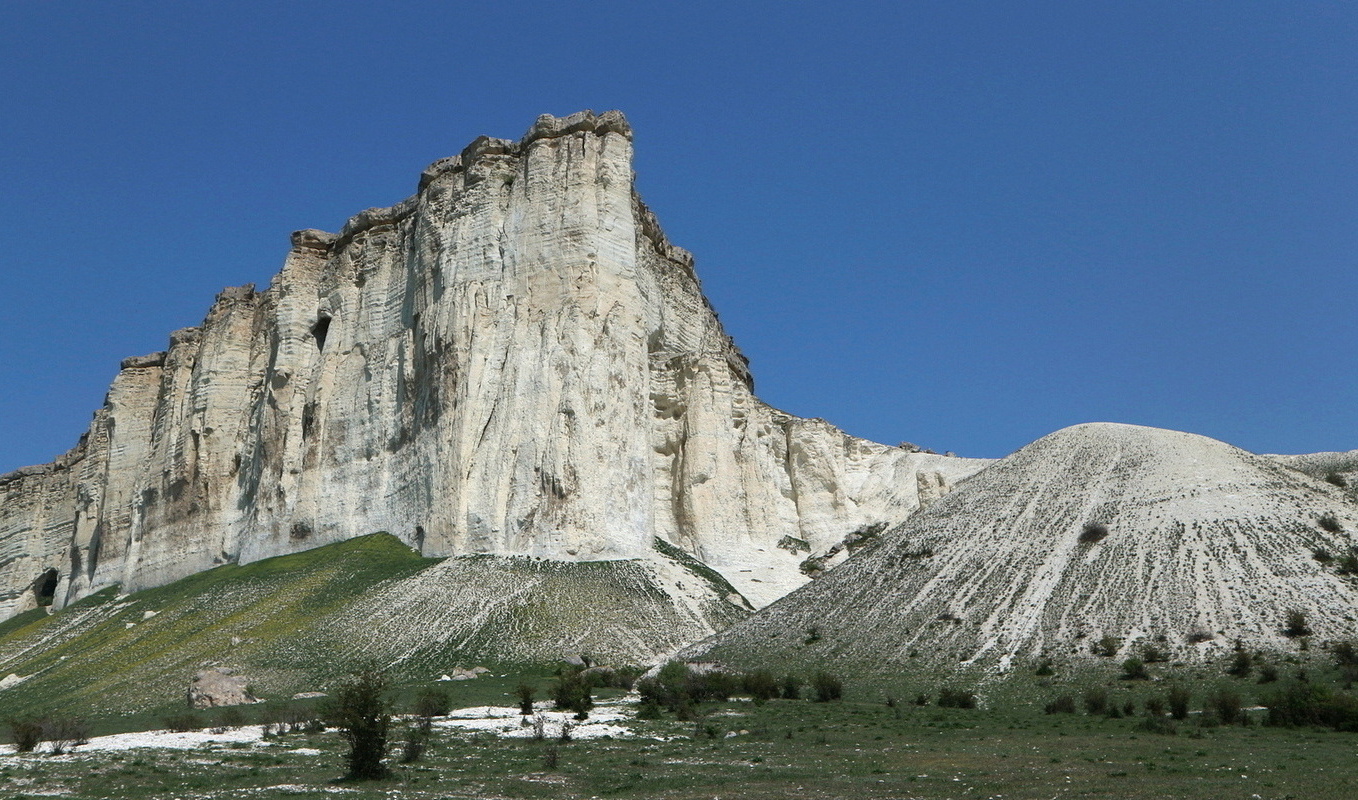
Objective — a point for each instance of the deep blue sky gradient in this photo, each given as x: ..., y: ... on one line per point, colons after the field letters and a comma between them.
x: 963, y: 224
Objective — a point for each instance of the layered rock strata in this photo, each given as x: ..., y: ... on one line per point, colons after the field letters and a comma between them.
x: 514, y: 361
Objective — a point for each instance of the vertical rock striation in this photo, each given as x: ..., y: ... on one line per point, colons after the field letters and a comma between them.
x: 514, y: 361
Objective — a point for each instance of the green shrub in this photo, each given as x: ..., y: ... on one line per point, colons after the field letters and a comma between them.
x: 1155, y: 706
x: 571, y: 692
x: 1157, y: 724
x: 791, y: 687
x: 760, y: 685
x: 26, y: 734
x: 182, y: 723
x: 1107, y: 647
x: 1348, y: 565
x: 433, y: 703
x: 953, y: 697
x: 1178, y: 699
x: 1241, y: 664
x: 1096, y: 701
x: 1134, y: 670
x: 232, y: 717
x: 827, y: 687
x: 1301, y: 703
x: 715, y: 686
x: 1295, y: 624
x: 1045, y: 668
x: 1268, y: 673
x: 1064, y: 704
x: 1154, y: 655
x: 1226, y: 705
x: 65, y: 733
x: 1337, y: 479
x: 1330, y: 523
x: 677, y: 687
x: 361, y: 712
x: 525, y: 693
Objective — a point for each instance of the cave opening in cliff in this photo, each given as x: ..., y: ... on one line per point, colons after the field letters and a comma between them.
x: 45, y: 587
x: 319, y: 331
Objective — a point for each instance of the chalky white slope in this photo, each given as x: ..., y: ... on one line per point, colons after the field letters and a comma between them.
x: 1206, y: 544
x: 514, y: 361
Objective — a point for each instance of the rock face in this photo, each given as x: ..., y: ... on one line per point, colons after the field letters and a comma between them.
x: 514, y: 361
x: 1149, y: 537
x: 219, y: 686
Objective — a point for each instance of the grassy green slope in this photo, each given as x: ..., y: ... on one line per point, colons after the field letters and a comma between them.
x: 103, y: 653
x: 298, y: 622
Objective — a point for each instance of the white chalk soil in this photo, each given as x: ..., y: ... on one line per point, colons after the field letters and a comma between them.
x: 606, y: 719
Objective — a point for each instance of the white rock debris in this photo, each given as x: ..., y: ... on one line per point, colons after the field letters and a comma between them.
x: 1149, y: 537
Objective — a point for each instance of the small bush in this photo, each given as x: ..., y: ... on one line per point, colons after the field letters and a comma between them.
x: 571, y: 692
x: 1107, y: 647
x: 921, y: 699
x: 433, y: 703
x: 362, y: 713
x: 1198, y: 637
x: 525, y: 693
x: 1155, y: 706
x: 1322, y: 555
x: 182, y: 723
x: 1348, y: 565
x: 26, y: 733
x: 1134, y: 670
x: 1295, y: 625
x: 952, y: 697
x: 1337, y: 479
x: 1045, y: 668
x: 1154, y: 655
x: 1345, y: 653
x: 648, y: 709
x: 1241, y: 664
x: 1178, y: 699
x: 1268, y: 673
x: 232, y: 717
x: 791, y: 687
x: 1301, y: 703
x: 1064, y: 704
x: 416, y: 742
x: 760, y: 685
x: 1096, y: 701
x: 827, y: 687
x: 1226, y: 705
x: 1093, y: 532
x: 1157, y: 725
x: 1330, y: 522
x: 65, y: 733
x: 550, y: 758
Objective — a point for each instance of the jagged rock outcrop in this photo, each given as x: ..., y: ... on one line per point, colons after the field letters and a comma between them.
x: 513, y: 361
x: 219, y: 686
x: 1145, y: 536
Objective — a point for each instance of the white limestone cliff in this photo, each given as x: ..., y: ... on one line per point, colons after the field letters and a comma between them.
x: 513, y: 361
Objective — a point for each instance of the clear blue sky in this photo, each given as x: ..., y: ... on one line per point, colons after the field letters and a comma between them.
x: 963, y: 224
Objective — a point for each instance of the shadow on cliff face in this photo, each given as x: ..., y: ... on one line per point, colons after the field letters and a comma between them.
x: 45, y: 587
